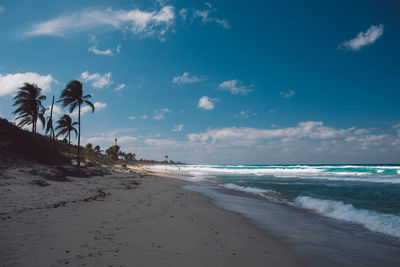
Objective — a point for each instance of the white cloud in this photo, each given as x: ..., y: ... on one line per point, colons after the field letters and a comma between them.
x: 120, y: 87
x: 207, y: 103
x: 208, y: 4
x: 287, y: 94
x: 364, y: 38
x: 97, y: 79
x: 144, y: 117
x: 9, y: 83
x: 1, y: 9
x: 177, y: 128
x: 185, y: 78
x: 149, y: 23
x: 204, y: 15
x: 74, y: 23
x: 164, y: 143
x: 96, y: 51
x: 146, y: 23
x: 126, y: 139
x: 118, y: 49
x: 132, y: 117
x: 235, y: 87
x: 85, y: 109
x: 159, y: 114
x: 309, y: 129
x: 244, y: 114
x: 183, y: 13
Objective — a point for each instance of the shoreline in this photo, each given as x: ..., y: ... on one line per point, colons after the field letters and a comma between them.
x: 153, y: 222
x: 316, y: 239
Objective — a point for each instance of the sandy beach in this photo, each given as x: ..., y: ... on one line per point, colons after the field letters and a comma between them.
x: 135, y: 218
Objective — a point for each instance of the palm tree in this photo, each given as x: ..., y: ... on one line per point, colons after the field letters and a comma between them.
x: 30, y: 108
x: 65, y: 126
x: 49, y: 126
x: 97, y: 149
x: 72, y: 96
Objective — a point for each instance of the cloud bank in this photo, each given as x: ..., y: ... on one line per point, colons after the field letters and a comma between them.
x: 306, y: 142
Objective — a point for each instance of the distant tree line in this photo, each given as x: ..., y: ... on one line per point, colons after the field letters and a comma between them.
x: 112, y: 152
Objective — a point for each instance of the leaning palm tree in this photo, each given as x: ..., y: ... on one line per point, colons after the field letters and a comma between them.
x: 30, y: 108
x: 72, y: 96
x: 64, y: 127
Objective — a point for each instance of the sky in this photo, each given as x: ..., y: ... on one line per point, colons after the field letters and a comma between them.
x: 233, y: 82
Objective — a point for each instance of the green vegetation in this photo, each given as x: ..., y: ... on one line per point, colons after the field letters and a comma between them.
x: 113, y: 151
x: 89, y: 147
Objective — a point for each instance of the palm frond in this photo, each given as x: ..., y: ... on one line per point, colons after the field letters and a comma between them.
x: 42, y: 119
x: 90, y: 104
x: 72, y: 107
x: 75, y: 131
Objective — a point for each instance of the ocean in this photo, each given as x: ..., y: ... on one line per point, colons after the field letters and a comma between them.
x: 352, y: 211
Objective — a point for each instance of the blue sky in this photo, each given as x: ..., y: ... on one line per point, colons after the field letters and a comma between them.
x: 218, y: 81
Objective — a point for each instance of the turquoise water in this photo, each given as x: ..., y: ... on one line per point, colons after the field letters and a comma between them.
x: 367, y: 195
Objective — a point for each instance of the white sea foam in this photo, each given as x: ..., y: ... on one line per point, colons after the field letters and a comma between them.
x: 374, y: 221
x: 251, y: 190
x: 322, y: 172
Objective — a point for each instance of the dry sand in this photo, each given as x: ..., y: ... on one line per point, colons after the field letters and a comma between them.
x: 124, y: 219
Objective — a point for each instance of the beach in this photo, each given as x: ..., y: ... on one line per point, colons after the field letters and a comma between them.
x: 199, y: 133
x: 133, y: 217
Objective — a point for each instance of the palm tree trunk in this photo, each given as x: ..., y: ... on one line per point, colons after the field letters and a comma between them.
x: 34, y: 121
x: 51, y: 120
x: 33, y: 127
x: 79, y: 134
x: 69, y: 144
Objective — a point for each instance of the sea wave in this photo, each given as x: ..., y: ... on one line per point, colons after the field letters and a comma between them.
x: 362, y: 173
x: 251, y: 190
x: 384, y: 223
